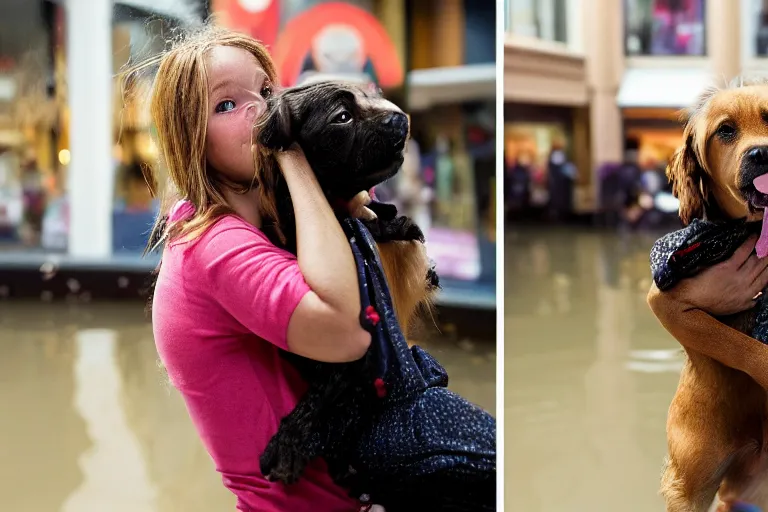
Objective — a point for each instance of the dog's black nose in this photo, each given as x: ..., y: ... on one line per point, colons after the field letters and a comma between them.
x: 758, y: 155
x: 398, y: 121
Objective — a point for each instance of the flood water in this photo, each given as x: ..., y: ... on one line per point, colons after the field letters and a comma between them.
x: 589, y: 373
x: 89, y: 424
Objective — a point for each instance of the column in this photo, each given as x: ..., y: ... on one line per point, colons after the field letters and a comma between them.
x: 391, y: 14
x: 604, y: 49
x: 89, y: 83
x: 723, y: 26
x: 448, y: 35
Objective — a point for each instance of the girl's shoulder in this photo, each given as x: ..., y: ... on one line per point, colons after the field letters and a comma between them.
x: 183, y: 210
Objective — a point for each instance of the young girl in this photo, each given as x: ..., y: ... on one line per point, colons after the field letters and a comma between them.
x: 226, y: 298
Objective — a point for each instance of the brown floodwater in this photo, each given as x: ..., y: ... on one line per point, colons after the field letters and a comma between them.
x: 589, y: 373
x: 89, y: 424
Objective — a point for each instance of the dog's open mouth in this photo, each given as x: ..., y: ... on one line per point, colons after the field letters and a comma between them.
x: 757, y: 196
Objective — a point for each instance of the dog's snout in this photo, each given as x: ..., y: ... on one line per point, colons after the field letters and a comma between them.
x: 758, y: 155
x: 398, y: 122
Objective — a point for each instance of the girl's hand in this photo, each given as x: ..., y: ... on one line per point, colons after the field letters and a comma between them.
x: 729, y: 287
x: 293, y: 160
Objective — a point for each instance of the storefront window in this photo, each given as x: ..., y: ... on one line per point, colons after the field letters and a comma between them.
x: 136, y: 37
x: 30, y: 177
x: 446, y: 185
x: 664, y: 27
x: 760, y: 15
x: 542, y: 19
x: 528, y: 151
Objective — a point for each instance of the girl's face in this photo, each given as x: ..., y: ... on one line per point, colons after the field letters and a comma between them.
x: 238, y: 89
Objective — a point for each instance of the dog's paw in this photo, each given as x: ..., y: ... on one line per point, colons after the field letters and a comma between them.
x: 280, y: 462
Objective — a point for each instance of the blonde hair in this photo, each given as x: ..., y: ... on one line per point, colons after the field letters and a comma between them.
x: 179, y: 111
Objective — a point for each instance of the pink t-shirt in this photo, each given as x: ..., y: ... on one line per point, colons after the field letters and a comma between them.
x: 220, y: 311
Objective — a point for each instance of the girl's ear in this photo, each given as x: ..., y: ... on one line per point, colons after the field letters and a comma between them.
x: 274, y: 132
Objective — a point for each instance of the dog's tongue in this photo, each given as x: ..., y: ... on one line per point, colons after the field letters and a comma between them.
x: 761, y: 248
x: 761, y: 184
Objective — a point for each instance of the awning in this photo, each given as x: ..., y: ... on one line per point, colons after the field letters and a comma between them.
x: 662, y: 88
x: 440, y: 86
x: 181, y: 10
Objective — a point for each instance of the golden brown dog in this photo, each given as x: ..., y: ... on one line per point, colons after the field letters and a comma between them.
x: 716, y: 425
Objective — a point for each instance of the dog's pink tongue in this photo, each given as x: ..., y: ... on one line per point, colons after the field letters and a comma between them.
x: 761, y: 248
x: 761, y: 183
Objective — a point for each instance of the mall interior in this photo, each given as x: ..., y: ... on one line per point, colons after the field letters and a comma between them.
x: 592, y: 90
x: 600, y: 78
x: 72, y: 144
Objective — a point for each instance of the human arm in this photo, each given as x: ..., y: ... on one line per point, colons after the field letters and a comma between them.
x: 723, y: 289
x: 325, y: 325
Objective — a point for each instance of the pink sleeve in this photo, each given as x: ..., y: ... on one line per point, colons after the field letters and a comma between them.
x: 256, y: 282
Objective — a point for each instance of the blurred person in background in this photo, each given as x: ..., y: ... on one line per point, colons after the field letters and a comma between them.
x: 619, y: 188
x: 11, y: 197
x: 226, y: 299
x: 34, y: 199
x: 560, y: 176
x: 517, y: 181
x: 412, y: 194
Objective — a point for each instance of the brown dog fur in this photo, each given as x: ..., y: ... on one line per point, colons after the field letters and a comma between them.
x: 717, y: 420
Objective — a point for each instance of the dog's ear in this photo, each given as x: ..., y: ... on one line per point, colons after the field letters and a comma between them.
x: 685, y: 174
x: 275, y: 131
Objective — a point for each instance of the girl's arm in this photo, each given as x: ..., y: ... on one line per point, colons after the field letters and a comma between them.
x: 325, y: 325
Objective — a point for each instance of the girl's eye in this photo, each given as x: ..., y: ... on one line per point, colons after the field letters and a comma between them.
x: 225, y: 106
x: 266, y: 91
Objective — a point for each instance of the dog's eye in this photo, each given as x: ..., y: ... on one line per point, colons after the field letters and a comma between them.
x: 225, y: 106
x: 726, y: 131
x: 266, y: 91
x: 342, y: 118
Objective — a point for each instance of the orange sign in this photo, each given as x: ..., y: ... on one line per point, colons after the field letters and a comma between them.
x: 258, y: 18
x: 334, y: 38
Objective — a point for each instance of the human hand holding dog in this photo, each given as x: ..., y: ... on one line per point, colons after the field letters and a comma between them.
x: 293, y: 160
x: 729, y: 287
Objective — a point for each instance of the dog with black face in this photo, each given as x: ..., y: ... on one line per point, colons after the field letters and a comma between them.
x: 353, y: 139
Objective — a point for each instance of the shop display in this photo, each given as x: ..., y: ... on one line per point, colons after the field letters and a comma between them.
x: 533, y: 151
x: 665, y: 27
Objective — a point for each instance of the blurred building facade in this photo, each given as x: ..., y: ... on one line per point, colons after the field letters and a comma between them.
x: 609, y: 77
x: 72, y: 145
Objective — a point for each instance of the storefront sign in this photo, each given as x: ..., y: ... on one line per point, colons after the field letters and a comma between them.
x: 332, y: 38
x: 258, y: 18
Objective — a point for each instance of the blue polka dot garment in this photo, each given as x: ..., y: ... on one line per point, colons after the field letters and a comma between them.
x: 402, y: 439
x: 702, y: 244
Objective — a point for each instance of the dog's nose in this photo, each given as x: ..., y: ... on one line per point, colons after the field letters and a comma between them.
x: 398, y: 121
x: 758, y: 155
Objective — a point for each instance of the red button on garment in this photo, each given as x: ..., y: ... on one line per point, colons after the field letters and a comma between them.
x: 372, y: 315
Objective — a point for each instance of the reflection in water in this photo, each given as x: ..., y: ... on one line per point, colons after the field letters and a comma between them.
x: 90, y: 423
x: 589, y: 373
x: 97, y: 400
